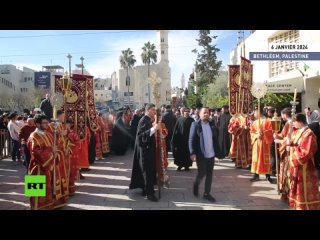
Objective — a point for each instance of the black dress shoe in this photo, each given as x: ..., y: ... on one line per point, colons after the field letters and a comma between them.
x: 85, y: 169
x: 152, y: 198
x: 81, y: 177
x: 209, y: 197
x: 195, y: 190
x: 255, y: 178
x: 271, y: 180
x: 187, y: 169
x: 143, y: 193
x: 179, y: 169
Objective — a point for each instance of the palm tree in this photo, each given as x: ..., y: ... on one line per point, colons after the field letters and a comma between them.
x: 127, y: 60
x: 149, y: 55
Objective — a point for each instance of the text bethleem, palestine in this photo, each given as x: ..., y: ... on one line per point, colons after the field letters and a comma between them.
x: 281, y: 55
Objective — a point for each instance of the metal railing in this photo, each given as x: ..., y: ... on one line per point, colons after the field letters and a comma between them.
x: 5, y: 144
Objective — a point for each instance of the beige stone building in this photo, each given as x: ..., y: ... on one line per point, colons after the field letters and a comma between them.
x: 138, y: 89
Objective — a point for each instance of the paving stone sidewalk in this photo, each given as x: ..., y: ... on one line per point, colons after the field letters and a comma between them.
x: 106, y: 187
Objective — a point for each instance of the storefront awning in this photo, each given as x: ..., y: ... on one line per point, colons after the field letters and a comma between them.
x: 286, y: 85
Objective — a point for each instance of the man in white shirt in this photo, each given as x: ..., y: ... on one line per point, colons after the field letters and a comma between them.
x: 14, y: 129
x: 203, y: 146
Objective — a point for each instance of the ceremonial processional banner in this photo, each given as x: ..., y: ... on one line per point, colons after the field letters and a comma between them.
x: 246, y: 99
x: 240, y: 82
x: 80, y: 105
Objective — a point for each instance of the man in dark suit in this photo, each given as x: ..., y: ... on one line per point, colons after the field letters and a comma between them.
x: 144, y: 168
x: 203, y: 146
x: 169, y: 120
x: 46, y: 107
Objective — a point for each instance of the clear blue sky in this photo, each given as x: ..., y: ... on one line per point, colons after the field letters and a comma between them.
x: 101, y: 49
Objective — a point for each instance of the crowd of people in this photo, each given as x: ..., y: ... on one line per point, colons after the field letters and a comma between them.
x: 54, y: 148
x: 203, y: 135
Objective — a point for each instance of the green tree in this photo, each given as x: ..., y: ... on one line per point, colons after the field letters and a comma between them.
x: 16, y: 102
x: 149, y: 56
x: 278, y: 101
x: 207, y: 64
x: 193, y: 100
x: 127, y: 61
x: 38, y: 95
x: 217, y: 93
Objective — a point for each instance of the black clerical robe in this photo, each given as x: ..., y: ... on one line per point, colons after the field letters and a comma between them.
x: 224, y: 137
x: 180, y: 143
x: 144, y: 168
x: 120, y: 138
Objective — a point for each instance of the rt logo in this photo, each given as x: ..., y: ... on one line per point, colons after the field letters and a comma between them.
x: 35, y: 186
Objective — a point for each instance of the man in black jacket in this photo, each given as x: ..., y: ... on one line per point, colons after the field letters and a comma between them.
x: 144, y: 168
x: 134, y: 126
x: 203, y: 146
x: 169, y: 120
x: 46, y: 107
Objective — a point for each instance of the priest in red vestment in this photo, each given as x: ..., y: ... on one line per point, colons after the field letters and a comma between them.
x: 64, y: 164
x: 73, y: 144
x: 43, y: 152
x: 103, y: 135
x: 98, y: 143
x: 261, y: 138
x: 83, y: 161
x: 241, y: 143
x: 279, y: 138
x: 302, y: 174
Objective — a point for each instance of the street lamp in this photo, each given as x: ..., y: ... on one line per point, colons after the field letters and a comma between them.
x: 82, y: 58
x: 69, y: 56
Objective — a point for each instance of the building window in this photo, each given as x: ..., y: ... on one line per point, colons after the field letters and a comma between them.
x: 162, y: 52
x: 26, y: 89
x: 279, y: 67
x: 21, y: 90
x: 25, y: 79
x: 162, y: 40
x: 126, y: 94
x: 101, y: 95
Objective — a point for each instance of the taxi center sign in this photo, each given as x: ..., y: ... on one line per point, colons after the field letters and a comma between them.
x: 285, y: 86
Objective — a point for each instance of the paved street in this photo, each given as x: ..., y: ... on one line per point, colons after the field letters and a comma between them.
x: 106, y: 188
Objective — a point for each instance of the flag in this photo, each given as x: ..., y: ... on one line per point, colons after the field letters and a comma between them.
x: 306, y: 67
